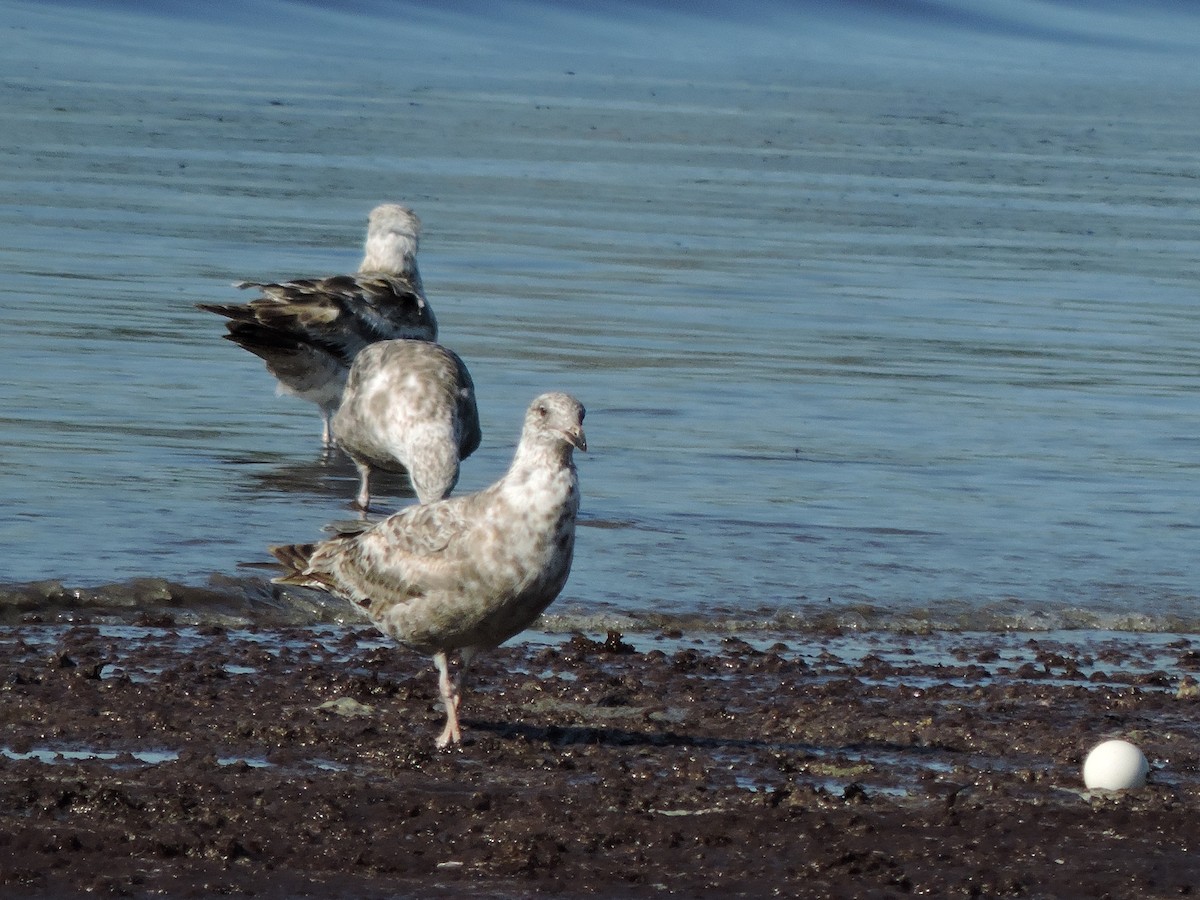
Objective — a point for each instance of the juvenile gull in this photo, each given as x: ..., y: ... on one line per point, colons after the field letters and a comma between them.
x: 408, y: 406
x: 308, y: 331
x: 465, y: 573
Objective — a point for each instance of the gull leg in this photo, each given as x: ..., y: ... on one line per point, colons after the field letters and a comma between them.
x: 326, y: 429
x: 363, y: 500
x: 450, y: 734
x: 460, y: 680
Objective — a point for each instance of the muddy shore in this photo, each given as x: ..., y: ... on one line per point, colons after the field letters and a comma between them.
x: 217, y: 761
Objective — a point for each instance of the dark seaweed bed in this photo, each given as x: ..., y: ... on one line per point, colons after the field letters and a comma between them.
x: 155, y: 760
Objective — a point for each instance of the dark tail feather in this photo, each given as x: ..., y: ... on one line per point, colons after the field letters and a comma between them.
x: 236, y: 312
x: 296, y: 362
x: 261, y: 339
x: 295, y: 558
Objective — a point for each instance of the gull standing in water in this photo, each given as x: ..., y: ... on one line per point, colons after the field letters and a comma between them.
x: 309, y: 330
x: 469, y: 572
x: 408, y: 406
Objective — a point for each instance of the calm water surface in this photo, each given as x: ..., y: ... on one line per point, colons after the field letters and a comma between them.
x: 878, y: 317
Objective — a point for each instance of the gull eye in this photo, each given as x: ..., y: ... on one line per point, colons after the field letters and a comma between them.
x: 542, y: 411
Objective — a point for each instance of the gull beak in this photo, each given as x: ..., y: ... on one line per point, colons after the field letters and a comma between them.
x: 575, y: 438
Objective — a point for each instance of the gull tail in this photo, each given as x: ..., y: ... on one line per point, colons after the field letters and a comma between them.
x: 236, y: 312
x: 295, y: 558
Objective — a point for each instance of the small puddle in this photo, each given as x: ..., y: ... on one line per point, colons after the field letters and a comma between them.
x: 46, y: 755
x: 57, y: 756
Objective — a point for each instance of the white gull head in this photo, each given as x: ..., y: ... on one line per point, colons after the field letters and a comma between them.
x: 554, y: 421
x: 393, y: 235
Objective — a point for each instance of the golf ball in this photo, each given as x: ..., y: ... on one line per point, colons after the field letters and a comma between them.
x: 1115, y: 766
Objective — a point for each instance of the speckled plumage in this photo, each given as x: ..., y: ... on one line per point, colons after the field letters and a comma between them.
x: 408, y: 406
x: 308, y: 331
x: 466, y: 573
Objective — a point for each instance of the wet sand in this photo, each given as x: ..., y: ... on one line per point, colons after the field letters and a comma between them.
x: 189, y: 762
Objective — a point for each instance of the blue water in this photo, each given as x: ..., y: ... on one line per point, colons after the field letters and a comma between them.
x: 884, y: 314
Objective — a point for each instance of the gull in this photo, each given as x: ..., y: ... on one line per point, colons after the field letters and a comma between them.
x: 309, y: 330
x: 408, y: 406
x: 469, y: 572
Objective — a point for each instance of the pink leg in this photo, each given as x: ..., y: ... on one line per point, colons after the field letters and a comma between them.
x: 450, y: 734
x: 465, y: 655
x: 363, y: 500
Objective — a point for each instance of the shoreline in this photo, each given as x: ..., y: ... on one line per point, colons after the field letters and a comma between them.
x: 250, y: 599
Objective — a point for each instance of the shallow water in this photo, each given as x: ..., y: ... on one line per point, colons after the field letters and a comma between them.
x: 881, y: 318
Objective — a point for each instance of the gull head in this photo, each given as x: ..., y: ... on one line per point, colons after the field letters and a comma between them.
x: 557, y: 418
x: 393, y: 235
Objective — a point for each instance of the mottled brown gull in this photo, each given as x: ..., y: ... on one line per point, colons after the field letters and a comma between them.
x: 466, y: 573
x: 408, y: 406
x: 309, y: 330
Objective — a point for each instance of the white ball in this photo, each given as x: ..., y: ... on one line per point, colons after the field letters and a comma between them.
x: 1115, y: 766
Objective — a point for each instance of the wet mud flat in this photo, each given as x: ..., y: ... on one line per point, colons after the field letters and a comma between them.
x: 155, y: 760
